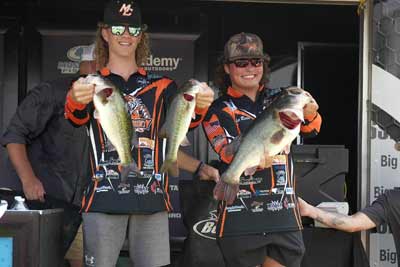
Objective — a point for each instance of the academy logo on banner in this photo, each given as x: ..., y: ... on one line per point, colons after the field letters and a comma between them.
x: 154, y: 63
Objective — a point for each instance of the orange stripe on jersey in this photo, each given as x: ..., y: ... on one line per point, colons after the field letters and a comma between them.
x: 157, y: 96
x: 91, y: 196
x: 156, y: 138
x: 142, y: 71
x: 314, y: 125
x: 139, y: 159
x: 217, y: 137
x: 234, y: 93
x: 296, y: 211
x: 252, y: 188
x: 167, y: 199
x: 240, y: 112
x: 162, y: 83
x: 221, y: 230
x: 199, y: 112
x: 83, y: 202
x: 231, y: 113
x: 101, y: 136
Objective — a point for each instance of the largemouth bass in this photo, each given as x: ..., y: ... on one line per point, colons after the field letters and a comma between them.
x: 179, y: 116
x: 271, y: 132
x: 114, y: 118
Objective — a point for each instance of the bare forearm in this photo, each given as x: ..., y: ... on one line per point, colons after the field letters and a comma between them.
x: 332, y: 219
x: 20, y: 161
x: 354, y: 223
x: 187, y: 162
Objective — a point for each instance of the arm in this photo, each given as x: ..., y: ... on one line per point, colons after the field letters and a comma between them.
x: 353, y: 223
x: 204, y: 98
x: 29, y: 122
x: 78, y: 97
x: 197, y: 167
x: 32, y: 187
x: 313, y: 120
x: 220, y: 130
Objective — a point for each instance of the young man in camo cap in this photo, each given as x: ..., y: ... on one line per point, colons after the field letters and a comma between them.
x: 258, y: 223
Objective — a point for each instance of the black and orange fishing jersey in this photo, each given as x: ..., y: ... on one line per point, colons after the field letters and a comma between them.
x: 266, y: 200
x: 148, y: 97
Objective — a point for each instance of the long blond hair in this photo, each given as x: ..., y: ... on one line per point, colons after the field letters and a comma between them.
x: 101, y: 50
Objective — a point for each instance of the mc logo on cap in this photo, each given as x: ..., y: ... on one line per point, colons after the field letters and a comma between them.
x: 126, y: 10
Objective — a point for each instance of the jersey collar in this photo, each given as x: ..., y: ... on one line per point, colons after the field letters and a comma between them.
x: 236, y: 94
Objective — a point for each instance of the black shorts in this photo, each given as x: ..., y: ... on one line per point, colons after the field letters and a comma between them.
x: 287, y: 248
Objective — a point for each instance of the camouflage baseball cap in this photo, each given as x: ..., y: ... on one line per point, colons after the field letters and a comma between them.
x: 243, y: 45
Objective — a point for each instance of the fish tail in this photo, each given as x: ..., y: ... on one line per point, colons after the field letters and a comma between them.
x: 171, y: 167
x: 230, y: 179
x: 126, y: 169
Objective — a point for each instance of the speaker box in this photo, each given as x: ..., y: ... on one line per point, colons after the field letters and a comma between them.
x: 320, y: 172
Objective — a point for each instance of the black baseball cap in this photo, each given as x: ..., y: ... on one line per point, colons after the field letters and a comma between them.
x: 123, y: 12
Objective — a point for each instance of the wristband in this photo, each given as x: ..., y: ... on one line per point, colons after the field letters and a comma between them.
x: 196, y: 172
x: 307, y: 122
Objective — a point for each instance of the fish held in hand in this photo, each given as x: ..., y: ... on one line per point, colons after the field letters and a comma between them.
x: 271, y: 133
x: 114, y: 118
x: 176, y: 126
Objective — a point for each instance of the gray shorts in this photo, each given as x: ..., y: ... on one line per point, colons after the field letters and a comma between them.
x: 104, y: 236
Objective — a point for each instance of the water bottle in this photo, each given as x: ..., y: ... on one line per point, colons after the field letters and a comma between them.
x: 19, y: 204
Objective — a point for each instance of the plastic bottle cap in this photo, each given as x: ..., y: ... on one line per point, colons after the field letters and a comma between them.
x: 19, y: 198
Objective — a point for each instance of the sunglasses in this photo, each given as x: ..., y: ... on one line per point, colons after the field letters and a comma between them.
x: 244, y: 62
x: 120, y: 30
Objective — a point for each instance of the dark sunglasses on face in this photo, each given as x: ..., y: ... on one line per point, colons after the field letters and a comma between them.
x: 244, y: 62
x: 120, y: 29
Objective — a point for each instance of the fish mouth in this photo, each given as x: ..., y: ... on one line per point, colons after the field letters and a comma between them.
x: 290, y: 118
x: 104, y: 91
x: 188, y: 97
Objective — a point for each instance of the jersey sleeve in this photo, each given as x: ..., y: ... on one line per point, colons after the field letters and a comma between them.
x: 220, y: 129
x: 311, y: 126
x: 77, y: 114
x: 31, y: 116
x: 377, y: 211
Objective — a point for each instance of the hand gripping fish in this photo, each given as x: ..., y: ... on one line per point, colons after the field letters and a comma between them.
x: 271, y: 133
x: 179, y: 116
x: 114, y: 118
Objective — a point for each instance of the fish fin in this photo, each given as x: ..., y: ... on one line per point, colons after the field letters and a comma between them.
x: 250, y: 170
x: 232, y: 147
x: 126, y: 169
x: 185, y: 142
x: 229, y: 179
x: 286, y: 149
x: 110, y: 146
x: 135, y: 139
x: 265, y: 160
x: 163, y: 131
x: 170, y: 167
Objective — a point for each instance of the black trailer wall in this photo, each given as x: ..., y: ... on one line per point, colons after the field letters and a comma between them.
x: 27, y: 29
